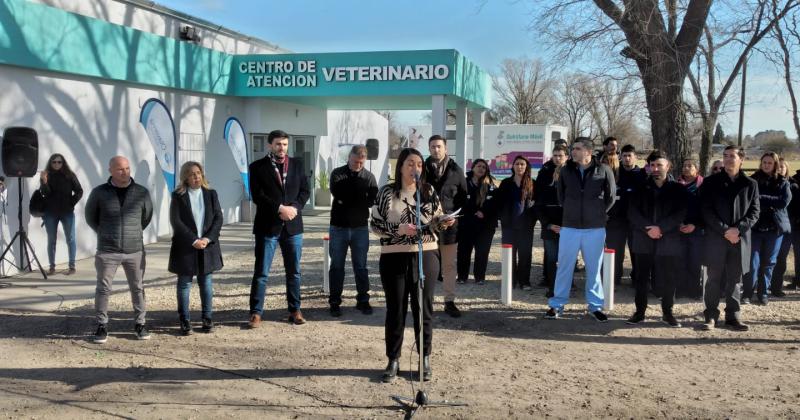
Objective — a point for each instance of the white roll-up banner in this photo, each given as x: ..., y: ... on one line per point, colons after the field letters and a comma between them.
x: 235, y: 137
x: 160, y: 128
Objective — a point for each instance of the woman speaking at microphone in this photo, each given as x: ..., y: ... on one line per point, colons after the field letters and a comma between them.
x: 394, y: 219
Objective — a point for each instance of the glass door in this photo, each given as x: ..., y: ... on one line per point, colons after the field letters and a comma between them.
x: 302, y: 147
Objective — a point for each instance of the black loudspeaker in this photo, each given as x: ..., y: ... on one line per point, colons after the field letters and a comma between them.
x: 20, y: 152
x: 372, y: 149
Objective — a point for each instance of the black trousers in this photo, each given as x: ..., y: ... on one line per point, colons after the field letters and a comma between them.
x: 616, y: 238
x: 663, y: 269
x: 724, y: 274
x: 692, y: 271
x: 522, y: 254
x: 479, y: 238
x: 399, y: 277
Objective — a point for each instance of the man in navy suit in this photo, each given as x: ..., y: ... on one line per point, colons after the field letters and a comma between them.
x: 279, y: 189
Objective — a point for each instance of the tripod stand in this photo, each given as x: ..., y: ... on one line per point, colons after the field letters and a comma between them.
x: 420, y: 400
x: 25, y: 246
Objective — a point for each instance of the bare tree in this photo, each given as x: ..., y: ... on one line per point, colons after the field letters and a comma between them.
x: 613, y: 106
x: 523, y: 89
x: 571, y: 106
x: 652, y: 38
x: 789, y: 41
x: 724, y: 35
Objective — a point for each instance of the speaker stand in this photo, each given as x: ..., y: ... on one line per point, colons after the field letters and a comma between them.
x: 25, y: 247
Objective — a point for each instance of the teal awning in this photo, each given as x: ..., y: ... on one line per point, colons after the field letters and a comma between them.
x: 37, y: 36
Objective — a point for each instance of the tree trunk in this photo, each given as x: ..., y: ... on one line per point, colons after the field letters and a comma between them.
x: 707, y: 137
x: 668, y: 120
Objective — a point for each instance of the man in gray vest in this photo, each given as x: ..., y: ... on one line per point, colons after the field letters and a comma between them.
x: 118, y: 211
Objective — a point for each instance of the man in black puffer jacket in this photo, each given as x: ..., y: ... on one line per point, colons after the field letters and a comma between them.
x: 448, y: 179
x: 118, y: 211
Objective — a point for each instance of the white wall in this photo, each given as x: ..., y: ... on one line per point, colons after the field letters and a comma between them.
x: 143, y: 19
x: 89, y: 122
x: 264, y: 115
x: 346, y: 128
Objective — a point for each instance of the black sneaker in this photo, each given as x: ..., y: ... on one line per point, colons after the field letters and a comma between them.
x: 451, y: 309
x: 778, y: 293
x: 336, y: 311
x: 635, y: 319
x: 461, y: 281
x: 208, y: 325
x: 365, y: 308
x: 736, y: 325
x: 552, y: 314
x: 141, y: 332
x: 670, y: 320
x: 763, y: 300
x: 599, y: 316
x: 745, y: 301
x: 101, y: 335
x: 480, y: 282
x: 186, y: 328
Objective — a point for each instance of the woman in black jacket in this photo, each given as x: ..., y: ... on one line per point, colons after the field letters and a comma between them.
x: 515, y: 200
x: 478, y: 223
x: 773, y: 221
x: 196, y: 218
x: 61, y: 191
x: 789, y: 240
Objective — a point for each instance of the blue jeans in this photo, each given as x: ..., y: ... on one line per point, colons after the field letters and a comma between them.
x: 590, y: 242
x: 51, y: 226
x: 291, y: 249
x: 764, y: 255
x: 357, y: 239
x: 206, y: 291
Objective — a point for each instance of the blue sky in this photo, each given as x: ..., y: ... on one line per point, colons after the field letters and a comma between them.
x: 484, y: 31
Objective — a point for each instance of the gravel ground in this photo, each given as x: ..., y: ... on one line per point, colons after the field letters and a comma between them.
x: 504, y: 361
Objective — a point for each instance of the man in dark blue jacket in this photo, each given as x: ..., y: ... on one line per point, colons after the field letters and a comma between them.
x: 656, y: 212
x: 354, y: 190
x: 630, y: 178
x: 730, y: 208
x: 279, y: 189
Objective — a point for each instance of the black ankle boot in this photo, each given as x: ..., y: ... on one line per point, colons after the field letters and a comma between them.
x: 427, y: 372
x: 391, y: 371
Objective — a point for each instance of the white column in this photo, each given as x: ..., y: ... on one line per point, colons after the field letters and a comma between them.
x: 461, y: 134
x: 438, y: 116
x: 477, y: 133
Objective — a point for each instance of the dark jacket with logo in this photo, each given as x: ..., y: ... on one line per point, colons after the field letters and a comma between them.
x: 794, y: 205
x: 727, y: 203
x: 61, y: 193
x: 119, y: 227
x: 353, y: 196
x: 548, y: 209
x: 183, y: 257
x: 664, y: 207
x: 774, y: 195
x: 451, y: 188
x: 269, y: 193
x: 508, y: 195
x: 628, y: 183
x: 488, y: 208
x: 587, y: 198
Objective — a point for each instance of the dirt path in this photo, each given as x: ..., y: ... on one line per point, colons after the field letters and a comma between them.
x: 507, y: 362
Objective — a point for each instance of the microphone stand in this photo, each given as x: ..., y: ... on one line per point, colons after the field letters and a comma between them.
x: 420, y: 400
